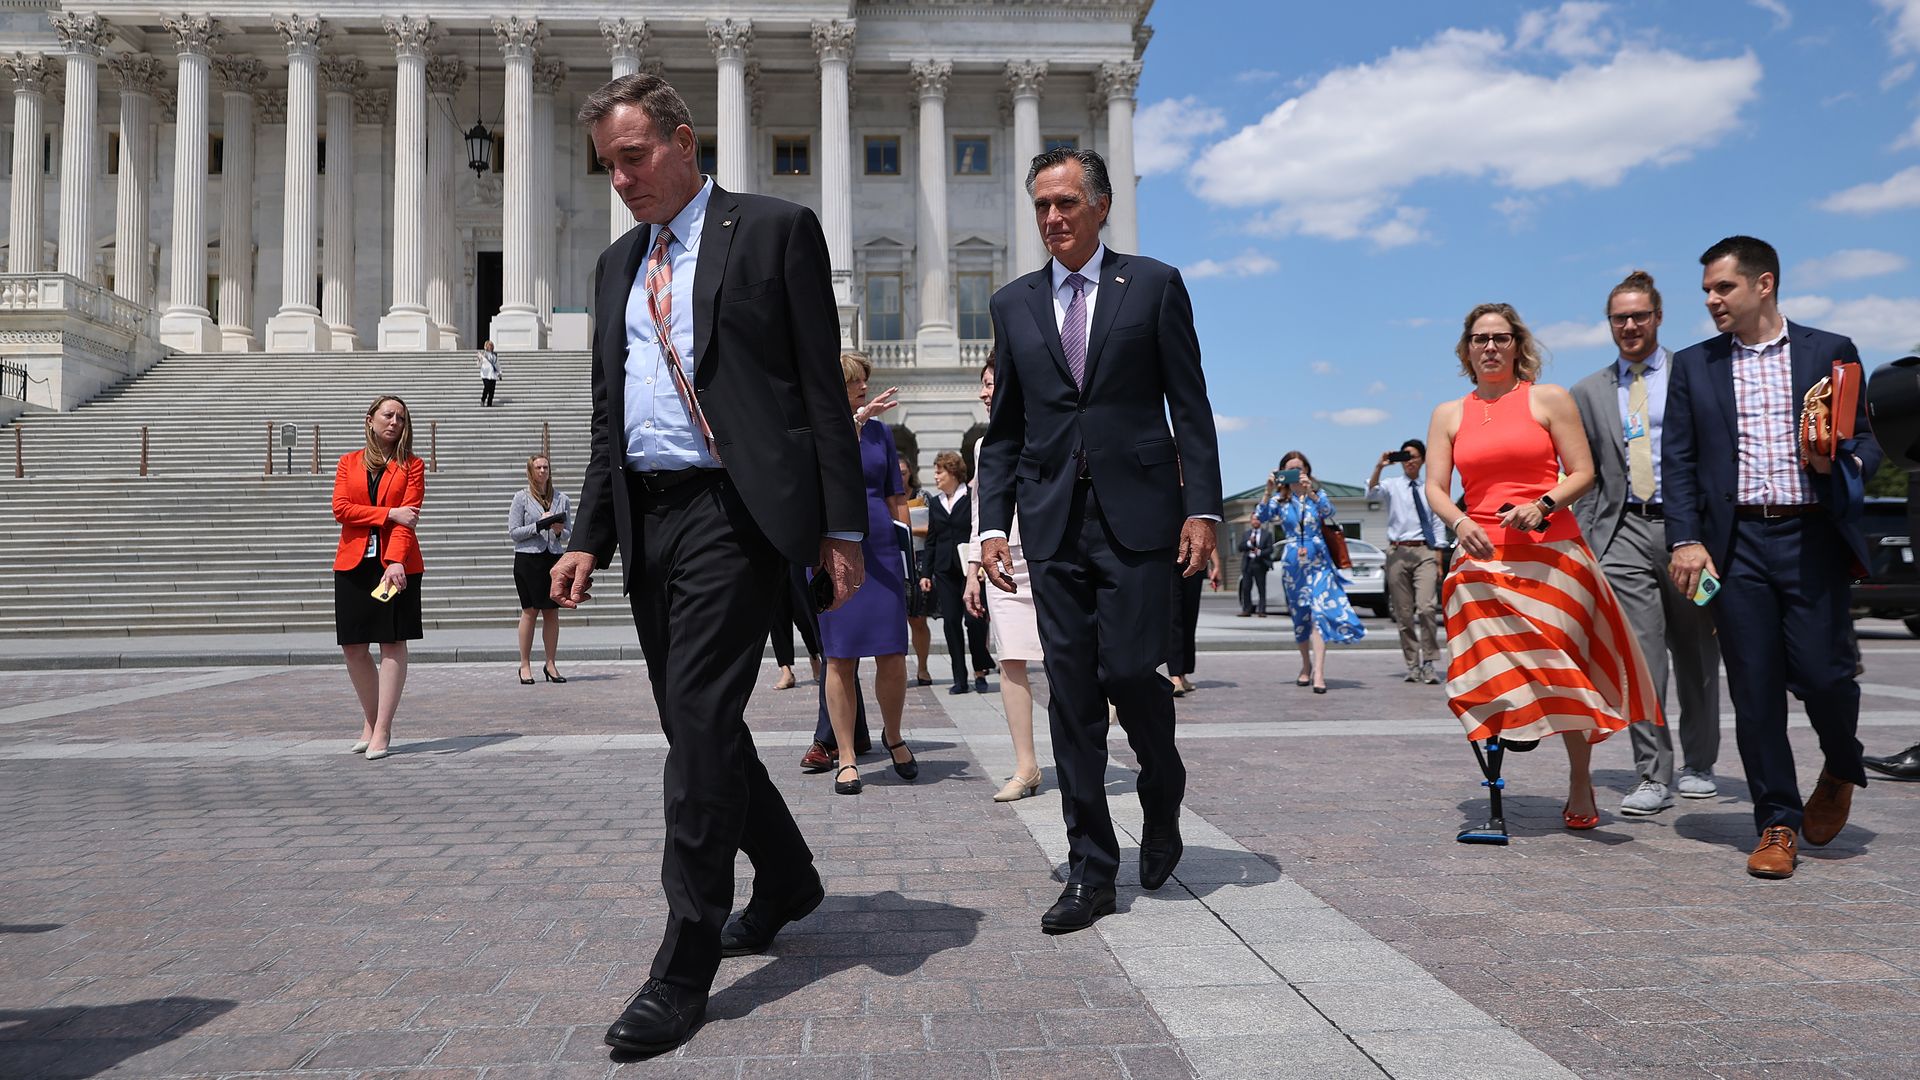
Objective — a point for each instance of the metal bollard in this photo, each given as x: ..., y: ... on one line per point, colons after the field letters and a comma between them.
x: 433, y: 446
x: 143, y: 449
x: 316, y: 449
x: 269, y: 471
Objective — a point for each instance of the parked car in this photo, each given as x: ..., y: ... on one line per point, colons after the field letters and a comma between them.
x: 1366, y: 583
x: 1892, y: 587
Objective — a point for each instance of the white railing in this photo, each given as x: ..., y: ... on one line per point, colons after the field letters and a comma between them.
x: 66, y: 293
x: 975, y: 352
x: 891, y: 353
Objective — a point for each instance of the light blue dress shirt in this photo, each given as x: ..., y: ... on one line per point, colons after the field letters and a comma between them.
x: 661, y: 437
x: 1656, y: 377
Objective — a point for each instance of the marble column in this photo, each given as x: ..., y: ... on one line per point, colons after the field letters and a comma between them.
x: 186, y: 324
x: 240, y: 78
x: 31, y: 73
x: 139, y: 75
x: 83, y: 36
x: 1117, y: 81
x: 297, y: 326
x: 548, y: 74
x: 733, y: 146
x: 407, y: 326
x: 626, y: 40
x: 935, y: 342
x: 517, y: 327
x: 1024, y: 80
x: 833, y: 43
x: 341, y: 75
x: 446, y: 146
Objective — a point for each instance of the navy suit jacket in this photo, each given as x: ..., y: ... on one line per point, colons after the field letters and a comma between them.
x: 1143, y: 366
x: 1700, y: 446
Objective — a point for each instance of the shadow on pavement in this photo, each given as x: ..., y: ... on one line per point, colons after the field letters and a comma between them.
x: 456, y: 744
x: 30, y: 928
x: 1539, y: 815
x: 77, y: 1041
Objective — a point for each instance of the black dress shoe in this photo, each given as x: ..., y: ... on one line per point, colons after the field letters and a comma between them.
x: 960, y: 687
x: 658, y: 1018
x: 752, y: 930
x: 1904, y: 765
x: 1160, y: 850
x: 980, y: 684
x: 1079, y: 905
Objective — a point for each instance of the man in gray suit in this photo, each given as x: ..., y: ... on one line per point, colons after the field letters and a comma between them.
x: 1622, y: 406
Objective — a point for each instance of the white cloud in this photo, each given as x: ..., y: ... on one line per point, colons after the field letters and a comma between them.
x: 1575, y: 335
x: 1900, y: 191
x: 1257, y: 75
x: 1517, y: 209
x: 1354, y: 417
x: 1904, y: 36
x: 1849, y: 265
x: 1911, y: 138
x: 1376, y: 388
x: 1782, y: 17
x: 1322, y: 367
x: 1231, y: 423
x: 1900, y: 73
x: 1166, y: 132
x: 1416, y: 321
x: 1572, y: 30
x: 1248, y: 263
x: 1875, y: 323
x: 1334, y: 160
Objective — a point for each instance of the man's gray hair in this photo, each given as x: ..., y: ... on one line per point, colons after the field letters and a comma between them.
x: 1093, y: 171
x: 655, y: 96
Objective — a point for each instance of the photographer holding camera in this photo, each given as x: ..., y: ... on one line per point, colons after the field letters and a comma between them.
x: 1413, y: 558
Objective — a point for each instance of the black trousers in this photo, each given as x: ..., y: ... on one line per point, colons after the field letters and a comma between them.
x: 1252, y: 580
x: 1093, y: 599
x: 1784, y: 626
x: 792, y: 607
x: 1184, y: 603
x: 951, y: 590
x: 486, y: 391
x: 698, y: 603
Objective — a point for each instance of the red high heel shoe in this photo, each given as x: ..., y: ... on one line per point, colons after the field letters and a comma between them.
x: 1581, y: 822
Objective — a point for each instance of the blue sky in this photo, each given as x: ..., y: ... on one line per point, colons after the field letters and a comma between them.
x: 1342, y: 182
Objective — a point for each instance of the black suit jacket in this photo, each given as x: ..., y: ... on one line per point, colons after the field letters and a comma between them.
x: 1143, y: 365
x: 766, y: 347
x: 946, y: 531
x: 1257, y: 556
x: 1700, y: 447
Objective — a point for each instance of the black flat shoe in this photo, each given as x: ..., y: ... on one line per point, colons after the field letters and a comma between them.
x: 980, y: 684
x: 1160, y: 851
x: 847, y: 787
x: 1078, y: 907
x: 551, y: 675
x: 751, y: 931
x: 960, y: 688
x: 907, y: 769
x: 657, y: 1018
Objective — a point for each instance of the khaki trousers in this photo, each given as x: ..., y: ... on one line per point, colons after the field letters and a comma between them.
x: 1413, y: 591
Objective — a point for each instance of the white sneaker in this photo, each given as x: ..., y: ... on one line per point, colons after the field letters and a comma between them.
x: 1648, y: 799
x: 1428, y: 675
x: 1696, y: 784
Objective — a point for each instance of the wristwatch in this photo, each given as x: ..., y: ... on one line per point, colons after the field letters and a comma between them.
x: 1546, y: 505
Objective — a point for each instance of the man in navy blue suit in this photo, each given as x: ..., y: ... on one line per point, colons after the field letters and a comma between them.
x: 1782, y: 538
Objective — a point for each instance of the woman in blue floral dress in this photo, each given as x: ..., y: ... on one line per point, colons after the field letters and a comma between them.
x: 1315, y: 598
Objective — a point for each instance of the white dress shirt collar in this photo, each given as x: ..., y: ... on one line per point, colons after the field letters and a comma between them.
x: 1655, y: 361
x: 1091, y: 271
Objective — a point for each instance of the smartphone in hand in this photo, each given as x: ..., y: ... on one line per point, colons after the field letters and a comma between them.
x: 385, y: 591
x: 1288, y: 476
x: 1399, y: 456
x: 820, y: 590
x: 1708, y: 588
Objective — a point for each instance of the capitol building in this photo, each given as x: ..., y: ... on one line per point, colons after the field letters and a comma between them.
x: 218, y: 177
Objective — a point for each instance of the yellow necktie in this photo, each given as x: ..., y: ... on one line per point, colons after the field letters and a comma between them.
x: 1639, y: 444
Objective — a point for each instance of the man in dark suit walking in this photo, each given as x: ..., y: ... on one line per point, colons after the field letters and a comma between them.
x: 1782, y: 538
x: 1623, y: 408
x: 1256, y: 558
x: 722, y: 449
x: 1096, y: 351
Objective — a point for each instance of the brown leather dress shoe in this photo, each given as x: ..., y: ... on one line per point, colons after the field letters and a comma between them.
x: 816, y: 759
x: 1776, y: 855
x: 1826, y: 811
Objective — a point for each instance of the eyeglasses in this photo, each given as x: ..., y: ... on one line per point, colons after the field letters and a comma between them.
x: 1638, y: 318
x: 1481, y: 341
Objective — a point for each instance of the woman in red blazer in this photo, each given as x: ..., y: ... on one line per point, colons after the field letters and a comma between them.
x: 376, y: 499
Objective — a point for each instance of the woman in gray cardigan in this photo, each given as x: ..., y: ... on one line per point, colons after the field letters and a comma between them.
x: 539, y: 525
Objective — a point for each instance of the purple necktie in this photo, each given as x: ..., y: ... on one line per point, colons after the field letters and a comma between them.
x: 1073, y: 331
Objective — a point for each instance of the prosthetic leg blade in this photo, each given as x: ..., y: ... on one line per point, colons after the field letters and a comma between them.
x: 1495, y: 830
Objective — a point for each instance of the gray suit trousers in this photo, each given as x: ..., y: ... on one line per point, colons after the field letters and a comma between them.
x: 1666, y: 622
x: 1413, y: 593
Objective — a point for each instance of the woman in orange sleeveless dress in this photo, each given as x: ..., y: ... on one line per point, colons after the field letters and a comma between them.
x: 1537, y: 640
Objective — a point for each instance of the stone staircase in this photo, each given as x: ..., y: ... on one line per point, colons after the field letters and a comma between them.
x: 208, y: 542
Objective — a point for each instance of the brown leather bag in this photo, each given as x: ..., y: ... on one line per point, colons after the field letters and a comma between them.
x: 1336, y: 545
x: 1828, y: 412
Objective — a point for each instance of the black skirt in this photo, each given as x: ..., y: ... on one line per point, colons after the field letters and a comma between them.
x: 359, y: 619
x: 533, y: 578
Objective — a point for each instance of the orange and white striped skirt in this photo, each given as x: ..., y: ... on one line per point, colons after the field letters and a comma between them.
x: 1539, y: 646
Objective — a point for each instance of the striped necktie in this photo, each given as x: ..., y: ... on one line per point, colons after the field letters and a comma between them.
x: 659, y: 281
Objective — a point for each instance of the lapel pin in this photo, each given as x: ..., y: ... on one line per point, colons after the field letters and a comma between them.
x: 726, y: 223
x: 1118, y: 280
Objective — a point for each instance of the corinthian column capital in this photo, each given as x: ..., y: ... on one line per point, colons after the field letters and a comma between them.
x: 548, y: 73
x: 342, y: 73
x: 930, y: 78
x: 242, y: 74
x: 626, y: 39
x: 833, y: 39
x: 139, y: 73
x: 730, y: 38
x: 31, y: 72
x: 302, y: 33
x: 518, y: 37
x: 194, y: 33
x: 82, y: 32
x: 1026, y: 77
x: 412, y: 35
x: 1118, y: 79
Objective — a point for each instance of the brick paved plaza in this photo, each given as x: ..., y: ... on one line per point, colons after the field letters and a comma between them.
x: 197, y: 881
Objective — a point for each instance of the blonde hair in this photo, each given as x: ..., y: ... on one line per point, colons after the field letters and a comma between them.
x: 1638, y: 281
x: 955, y: 465
x: 855, y: 365
x: 376, y: 455
x: 1527, y: 354
x: 544, y: 498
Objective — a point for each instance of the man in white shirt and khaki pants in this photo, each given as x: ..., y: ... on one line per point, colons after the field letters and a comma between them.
x: 1413, y: 558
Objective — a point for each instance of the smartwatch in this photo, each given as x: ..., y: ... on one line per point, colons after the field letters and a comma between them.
x: 1546, y: 505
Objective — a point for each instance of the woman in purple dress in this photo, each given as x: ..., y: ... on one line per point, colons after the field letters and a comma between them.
x: 874, y: 622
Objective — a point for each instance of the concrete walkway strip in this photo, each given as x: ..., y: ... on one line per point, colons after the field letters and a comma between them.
x: 42, y: 710
x: 270, y: 747
x: 1253, y: 975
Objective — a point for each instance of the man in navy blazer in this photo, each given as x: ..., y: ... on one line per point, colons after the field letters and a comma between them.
x: 1097, y: 351
x: 1782, y: 538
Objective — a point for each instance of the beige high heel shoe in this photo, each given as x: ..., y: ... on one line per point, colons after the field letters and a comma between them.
x: 1018, y: 787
